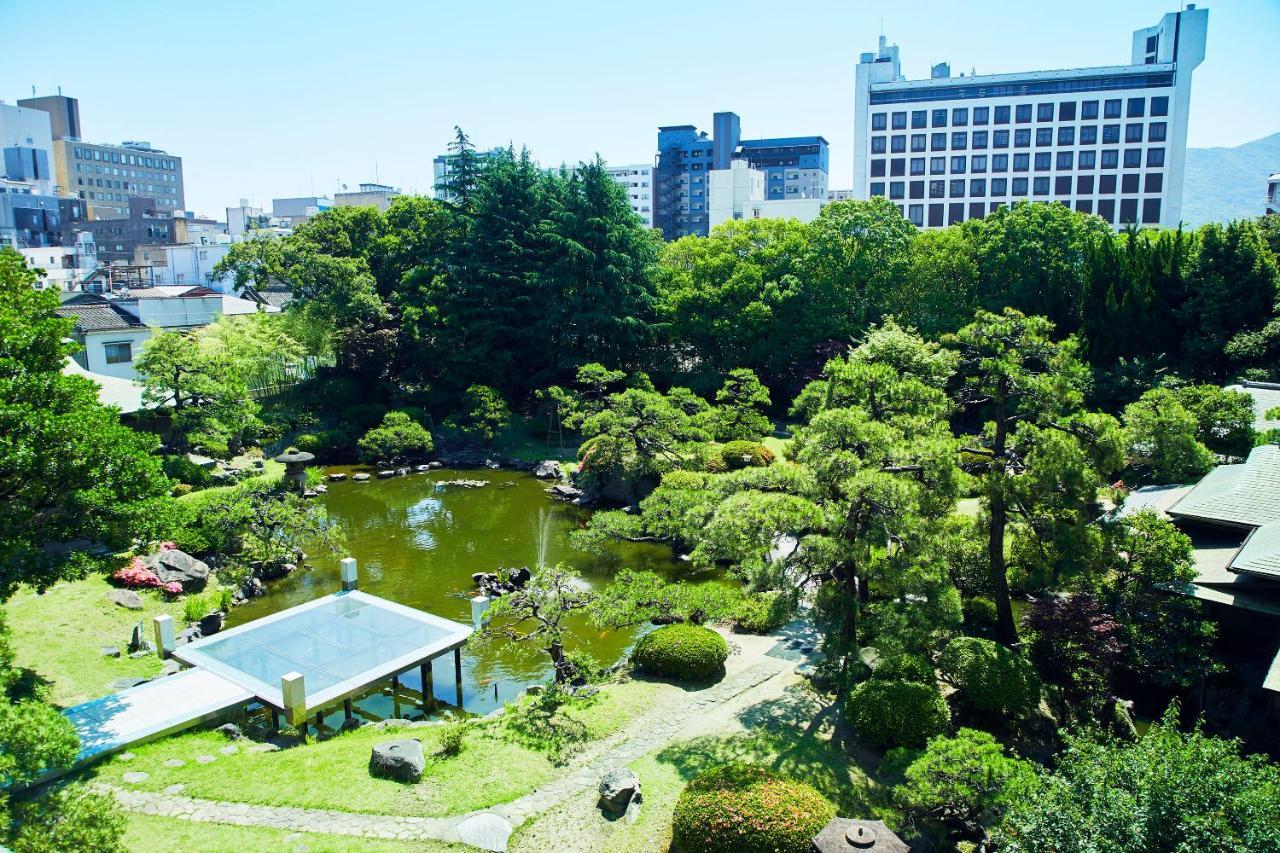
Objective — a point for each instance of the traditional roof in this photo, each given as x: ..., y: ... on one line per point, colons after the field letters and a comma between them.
x: 1266, y: 396
x: 1245, y: 495
x: 124, y: 394
x: 100, y: 317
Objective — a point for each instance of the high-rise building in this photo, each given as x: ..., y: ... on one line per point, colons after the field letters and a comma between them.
x: 793, y: 168
x: 1273, y: 195
x: 107, y: 176
x: 1109, y: 140
x: 295, y: 211
x: 637, y: 181
x: 118, y: 237
x: 27, y: 145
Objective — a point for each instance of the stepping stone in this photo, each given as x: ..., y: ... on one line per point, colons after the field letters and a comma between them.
x: 174, y: 789
x: 205, y: 759
x: 486, y: 831
x: 174, y: 762
x: 125, y: 756
x: 135, y: 777
x: 264, y: 747
x: 229, y: 749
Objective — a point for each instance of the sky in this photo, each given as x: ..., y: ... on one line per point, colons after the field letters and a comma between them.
x: 282, y: 98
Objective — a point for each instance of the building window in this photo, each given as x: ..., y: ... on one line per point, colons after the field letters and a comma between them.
x: 1066, y: 136
x: 981, y: 115
x: 916, y: 189
x: 1019, y: 186
x: 1000, y: 139
x: 1137, y: 107
x: 937, y: 189
x: 1064, y: 161
x: 1156, y: 131
x: 955, y: 213
x: 915, y: 213
x: 1088, y: 110
x: 1043, y: 160
x: 1111, y: 108
x: 1132, y: 158
x: 959, y: 141
x: 1106, y: 184
x: 1022, y: 138
x: 999, y: 186
x: 877, y: 188
x: 937, y: 165
x: 999, y: 162
x: 979, y: 139
x: 1155, y: 157
x: 1151, y: 211
x: 1067, y: 111
x: 1044, y: 112
x: 917, y: 165
x: 957, y: 165
x: 1044, y: 137
x: 1023, y: 114
x: 1133, y: 132
x: 1160, y: 105
x: 896, y: 189
x: 960, y: 117
x: 877, y: 145
x: 898, y: 143
x: 897, y: 167
x: 1107, y: 209
x: 919, y: 119
x: 118, y: 352
x: 1088, y: 159
x: 1153, y: 182
x: 938, y: 142
x: 879, y: 121
x: 877, y: 168
x: 1041, y: 186
x: 1089, y: 134
x: 1084, y: 205
x: 1002, y: 115
x: 1021, y: 162
x: 1110, y: 158
x: 1110, y: 134
x: 978, y: 163
x: 939, y: 118
x: 918, y: 142
x: 900, y: 121
x: 1084, y: 185
x: 1128, y: 211
x: 978, y: 187
x: 935, y: 215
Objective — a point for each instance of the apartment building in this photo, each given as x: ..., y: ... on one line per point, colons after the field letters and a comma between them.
x: 637, y: 181
x: 1109, y: 141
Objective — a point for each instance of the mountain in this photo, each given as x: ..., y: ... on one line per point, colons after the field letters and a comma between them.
x: 1222, y: 184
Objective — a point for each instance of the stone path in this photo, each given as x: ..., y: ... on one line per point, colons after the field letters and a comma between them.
x: 488, y: 828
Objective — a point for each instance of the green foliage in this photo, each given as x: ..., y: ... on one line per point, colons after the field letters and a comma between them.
x: 361, y: 417
x: 484, y: 414
x: 69, y: 470
x: 965, y: 780
x: 533, y: 615
x: 1161, y: 437
x: 741, y: 808
x: 1169, y: 790
x: 452, y: 735
x: 683, y: 652
x: 897, y: 713
x: 399, y: 437
x: 979, y: 616
x: 745, y: 454
x: 991, y: 678
x: 71, y: 818
x: 740, y: 402
x: 326, y: 444
x: 185, y: 471
x: 635, y: 597
x: 762, y: 612
x: 905, y: 667
x: 1224, y: 419
x: 254, y: 522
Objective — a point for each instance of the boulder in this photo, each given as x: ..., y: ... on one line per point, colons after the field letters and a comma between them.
x: 360, y: 478
x: 252, y: 588
x: 175, y: 565
x: 401, y: 760
x: 230, y: 730
x: 434, y: 465
x: 548, y: 469
x: 422, y: 469
x: 138, y: 641
x: 201, y: 461
x: 400, y: 472
x: 110, y: 651
x: 386, y: 474
x: 335, y: 478
x: 126, y: 598
x: 565, y: 492
x: 189, y: 634
x: 211, y: 623
x: 619, y: 788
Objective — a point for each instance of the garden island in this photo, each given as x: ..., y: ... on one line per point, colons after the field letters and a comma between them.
x: 517, y: 529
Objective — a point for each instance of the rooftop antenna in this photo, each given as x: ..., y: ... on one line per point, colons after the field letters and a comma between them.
x: 33, y: 90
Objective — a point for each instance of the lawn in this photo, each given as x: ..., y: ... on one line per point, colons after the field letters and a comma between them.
x: 59, y: 635
x: 147, y: 832
x: 271, y: 473
x: 333, y: 774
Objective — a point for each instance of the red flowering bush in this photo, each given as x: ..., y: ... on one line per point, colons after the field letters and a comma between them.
x: 744, y: 808
x: 136, y: 575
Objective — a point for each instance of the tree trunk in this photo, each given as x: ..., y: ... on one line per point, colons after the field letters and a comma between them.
x: 851, y: 601
x: 562, y: 666
x: 1006, y: 630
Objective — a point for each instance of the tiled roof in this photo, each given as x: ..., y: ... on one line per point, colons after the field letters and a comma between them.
x: 99, y: 318
x: 1246, y: 495
x: 1266, y: 396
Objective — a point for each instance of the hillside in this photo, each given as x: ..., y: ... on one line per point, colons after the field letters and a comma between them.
x: 1228, y: 183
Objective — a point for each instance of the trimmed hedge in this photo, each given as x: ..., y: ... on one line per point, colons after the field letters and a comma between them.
x: 991, y: 678
x: 745, y: 454
x: 680, y: 651
x: 743, y: 808
x: 897, y: 713
x: 761, y: 612
x: 905, y: 667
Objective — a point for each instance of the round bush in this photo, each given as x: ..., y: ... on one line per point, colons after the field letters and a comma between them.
x: 905, y: 667
x: 181, y: 489
x: 742, y: 808
x: 897, y: 713
x: 990, y: 677
x: 685, y: 652
x: 745, y: 454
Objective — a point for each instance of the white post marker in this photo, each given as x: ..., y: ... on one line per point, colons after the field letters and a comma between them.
x: 163, y: 626
x: 349, y: 573
x: 293, y: 694
x: 479, y: 605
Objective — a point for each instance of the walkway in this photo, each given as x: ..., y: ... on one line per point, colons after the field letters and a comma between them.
x: 489, y: 828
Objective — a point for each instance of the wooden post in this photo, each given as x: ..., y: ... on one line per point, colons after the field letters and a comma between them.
x: 427, y: 698
x: 457, y: 672
x: 346, y: 709
x: 275, y: 719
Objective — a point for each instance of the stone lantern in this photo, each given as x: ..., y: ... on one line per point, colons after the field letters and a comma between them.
x: 843, y: 835
x: 295, y: 466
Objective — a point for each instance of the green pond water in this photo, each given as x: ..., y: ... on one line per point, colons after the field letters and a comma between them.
x: 418, y: 542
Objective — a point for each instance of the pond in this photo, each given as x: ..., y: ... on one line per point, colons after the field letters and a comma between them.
x: 418, y: 541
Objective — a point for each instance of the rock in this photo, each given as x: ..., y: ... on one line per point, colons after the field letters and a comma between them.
x: 230, y: 730
x: 422, y: 469
x: 321, y: 489
x: 126, y: 683
x: 211, y: 623
x: 229, y: 749
x: 188, y: 634
x: 169, y: 667
x: 485, y: 830
x: 386, y: 474
x: 179, y: 566
x: 465, y: 484
x: 619, y: 788
x: 337, y: 477
x: 201, y: 461
x: 135, y: 777
x: 174, y: 762
x: 110, y: 651
x: 351, y: 724
x: 435, y: 464
x: 126, y: 598
x: 310, y: 493
x: 174, y: 789
x: 492, y: 464
x: 274, y: 570
x: 126, y: 756
x: 141, y: 653
x: 401, y: 760
x: 252, y: 588
x: 205, y: 759
x: 548, y: 469
x: 565, y: 492
x: 260, y: 464
x: 360, y: 478
x: 400, y: 472
x: 492, y: 584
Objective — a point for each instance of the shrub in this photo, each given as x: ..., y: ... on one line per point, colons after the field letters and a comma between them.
x: 452, y: 735
x: 743, y: 808
x: 979, y: 616
x: 72, y: 818
x: 761, y: 612
x: 905, y: 667
x: 484, y: 413
x: 183, y: 470
x: 399, y: 437
x: 990, y: 677
x: 136, y: 575
x: 211, y: 444
x: 686, y: 652
x: 745, y: 454
x: 897, y: 713
x: 182, y: 489
x: 714, y: 464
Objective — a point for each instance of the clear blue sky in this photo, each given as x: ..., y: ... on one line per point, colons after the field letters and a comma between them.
x: 282, y: 98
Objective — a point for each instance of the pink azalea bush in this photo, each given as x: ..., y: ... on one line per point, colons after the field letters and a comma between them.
x: 136, y: 575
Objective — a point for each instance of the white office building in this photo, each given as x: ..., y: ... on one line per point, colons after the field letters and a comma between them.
x: 1273, y: 195
x: 739, y: 192
x: 637, y: 180
x: 1109, y: 141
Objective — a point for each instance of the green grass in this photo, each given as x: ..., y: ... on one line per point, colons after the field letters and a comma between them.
x: 528, y: 441
x: 59, y: 635
x: 334, y: 774
x: 271, y: 473
x: 147, y: 832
